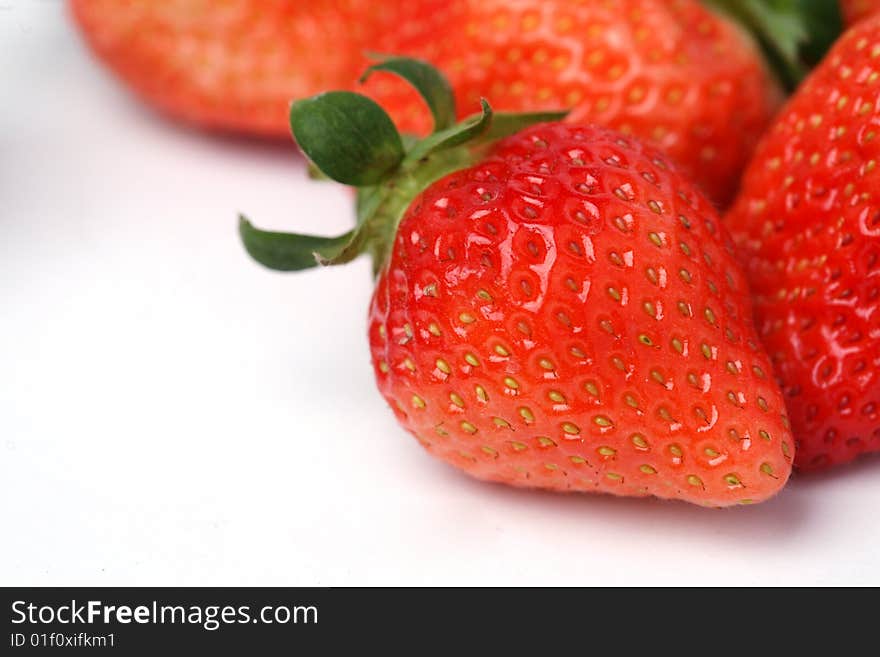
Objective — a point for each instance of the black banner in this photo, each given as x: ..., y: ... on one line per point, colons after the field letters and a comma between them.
x: 260, y: 621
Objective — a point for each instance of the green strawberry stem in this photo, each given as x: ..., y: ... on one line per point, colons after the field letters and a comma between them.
x: 794, y: 34
x: 350, y: 139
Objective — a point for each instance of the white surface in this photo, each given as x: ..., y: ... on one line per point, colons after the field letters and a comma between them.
x: 172, y: 414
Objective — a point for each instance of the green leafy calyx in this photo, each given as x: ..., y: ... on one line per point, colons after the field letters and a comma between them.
x: 352, y: 140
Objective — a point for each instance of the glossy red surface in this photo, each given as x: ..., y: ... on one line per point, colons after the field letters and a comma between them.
x: 567, y: 315
x: 808, y: 223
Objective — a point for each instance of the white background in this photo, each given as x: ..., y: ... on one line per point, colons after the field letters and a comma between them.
x: 172, y: 414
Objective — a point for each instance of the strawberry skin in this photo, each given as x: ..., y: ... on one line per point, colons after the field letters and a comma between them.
x: 855, y: 10
x: 672, y: 73
x: 567, y: 314
x: 669, y: 72
x: 236, y: 65
x: 808, y: 227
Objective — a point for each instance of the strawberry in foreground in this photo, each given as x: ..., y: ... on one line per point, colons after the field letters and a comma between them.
x: 808, y: 225
x: 559, y: 309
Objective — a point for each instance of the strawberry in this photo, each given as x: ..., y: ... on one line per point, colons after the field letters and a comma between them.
x: 808, y: 226
x: 669, y: 72
x: 855, y: 10
x: 236, y: 65
x: 559, y: 309
x: 672, y: 73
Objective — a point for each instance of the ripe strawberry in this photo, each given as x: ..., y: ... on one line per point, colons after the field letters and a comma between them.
x: 669, y: 72
x: 855, y: 10
x: 672, y: 73
x: 808, y: 224
x: 236, y: 65
x: 561, y: 310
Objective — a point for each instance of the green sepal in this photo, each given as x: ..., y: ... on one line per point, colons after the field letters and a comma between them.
x: 469, y: 129
x: 290, y: 251
x: 367, y: 200
x: 432, y: 85
x: 505, y: 124
x: 352, y: 140
x: 314, y: 173
x: 348, y: 137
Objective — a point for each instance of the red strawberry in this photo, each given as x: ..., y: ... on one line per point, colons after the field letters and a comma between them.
x: 236, y: 65
x: 562, y: 311
x: 808, y: 223
x: 855, y: 10
x: 672, y: 73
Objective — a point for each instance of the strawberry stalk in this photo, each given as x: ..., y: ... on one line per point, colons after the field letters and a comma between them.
x: 350, y: 139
